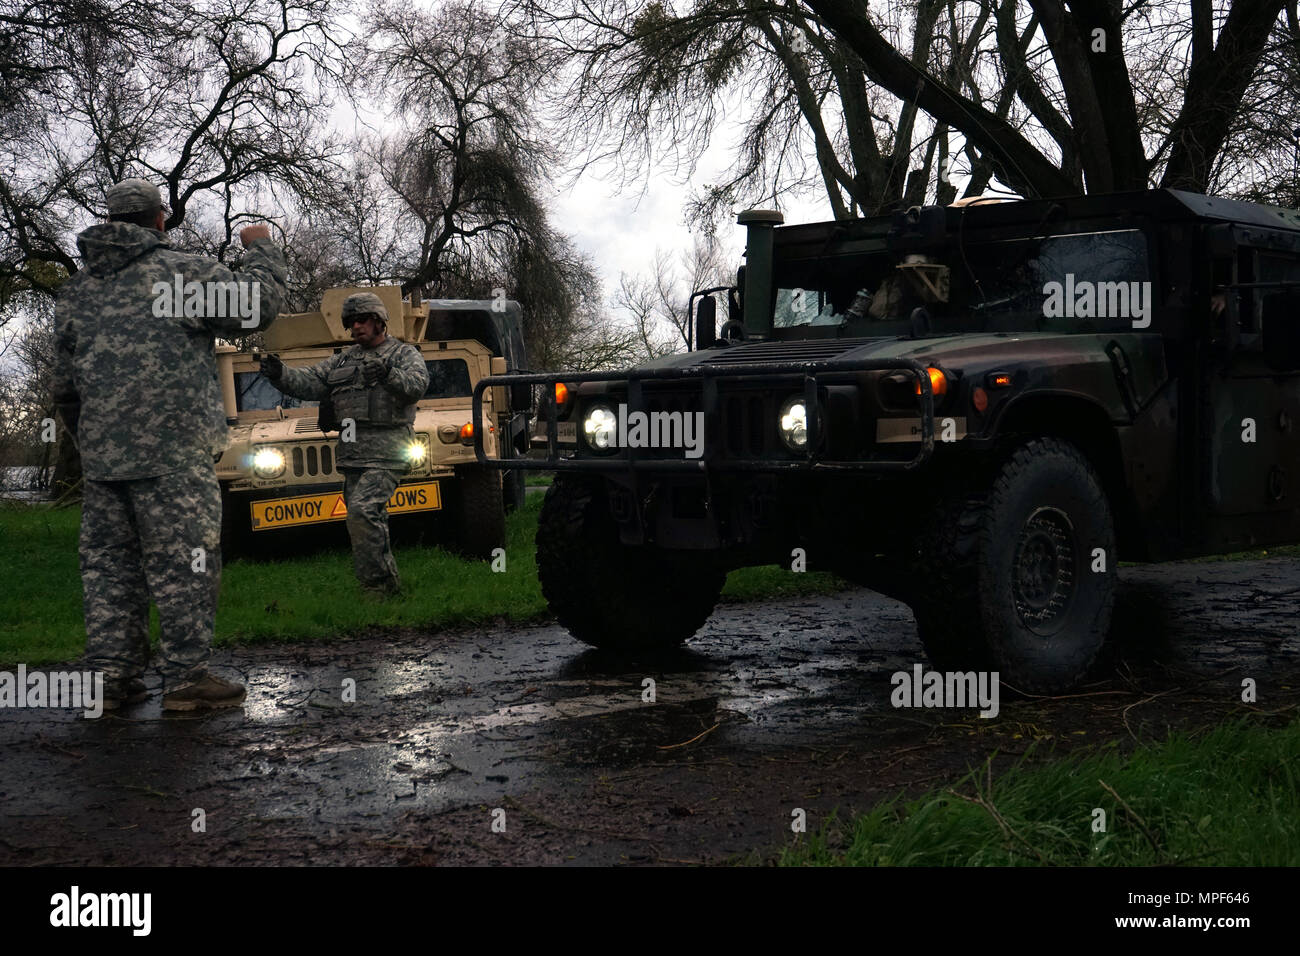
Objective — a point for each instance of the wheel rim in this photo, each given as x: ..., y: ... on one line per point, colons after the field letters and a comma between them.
x: 1044, y: 570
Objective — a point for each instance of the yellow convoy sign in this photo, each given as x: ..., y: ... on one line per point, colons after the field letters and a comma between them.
x: 311, y: 509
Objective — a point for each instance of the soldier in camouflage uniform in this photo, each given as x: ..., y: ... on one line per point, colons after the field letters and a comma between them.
x: 373, y: 386
x: 136, y: 384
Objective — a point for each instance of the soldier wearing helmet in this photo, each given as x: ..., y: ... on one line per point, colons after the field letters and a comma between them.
x: 373, y: 387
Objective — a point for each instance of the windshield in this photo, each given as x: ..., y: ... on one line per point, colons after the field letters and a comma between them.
x: 255, y: 393
x: 1076, y: 282
x: 448, y: 378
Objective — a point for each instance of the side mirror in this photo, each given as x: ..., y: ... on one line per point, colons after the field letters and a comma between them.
x: 521, y: 398
x: 706, y: 322
x: 1281, y: 322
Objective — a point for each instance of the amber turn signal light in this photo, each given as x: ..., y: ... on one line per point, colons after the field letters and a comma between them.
x: 561, y: 393
x: 938, y: 383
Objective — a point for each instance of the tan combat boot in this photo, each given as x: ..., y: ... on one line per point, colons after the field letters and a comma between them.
x: 208, y: 693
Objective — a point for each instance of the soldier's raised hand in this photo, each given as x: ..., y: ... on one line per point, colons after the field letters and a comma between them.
x: 250, y: 234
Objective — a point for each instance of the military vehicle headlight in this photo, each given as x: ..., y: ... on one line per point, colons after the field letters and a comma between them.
x: 793, y: 423
x: 268, y: 462
x: 600, y: 427
x: 417, y: 452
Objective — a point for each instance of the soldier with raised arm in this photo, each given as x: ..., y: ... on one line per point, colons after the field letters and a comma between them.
x: 136, y: 383
x: 373, y: 387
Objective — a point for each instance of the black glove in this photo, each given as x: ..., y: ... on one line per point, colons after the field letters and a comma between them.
x: 271, y: 367
x: 373, y: 370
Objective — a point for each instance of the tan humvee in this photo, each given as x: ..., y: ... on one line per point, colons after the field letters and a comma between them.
x: 278, y: 472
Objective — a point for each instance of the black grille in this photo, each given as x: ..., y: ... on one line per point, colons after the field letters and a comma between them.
x: 748, y: 421
x: 676, y: 401
x: 745, y: 420
x: 311, y: 460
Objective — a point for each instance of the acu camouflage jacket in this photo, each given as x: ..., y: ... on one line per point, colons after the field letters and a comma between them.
x: 135, y: 373
x: 383, y: 413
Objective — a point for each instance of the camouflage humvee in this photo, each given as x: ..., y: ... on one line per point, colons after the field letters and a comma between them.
x: 278, y: 472
x: 979, y: 410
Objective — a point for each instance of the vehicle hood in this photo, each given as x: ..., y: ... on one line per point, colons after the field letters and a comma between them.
x: 957, y: 349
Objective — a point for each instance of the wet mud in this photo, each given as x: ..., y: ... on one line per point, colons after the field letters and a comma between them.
x: 518, y: 745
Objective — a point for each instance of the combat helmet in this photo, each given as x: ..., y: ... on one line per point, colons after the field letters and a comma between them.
x: 361, y: 304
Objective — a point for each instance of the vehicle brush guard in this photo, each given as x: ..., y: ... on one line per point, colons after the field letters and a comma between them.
x: 709, y: 380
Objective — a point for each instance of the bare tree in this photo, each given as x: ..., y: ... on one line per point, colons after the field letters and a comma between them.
x: 27, y: 420
x: 215, y: 100
x: 1086, y: 62
x: 885, y: 105
x: 1261, y: 158
x: 650, y: 77
x: 467, y: 159
x: 659, y: 303
x: 220, y: 102
x: 449, y: 197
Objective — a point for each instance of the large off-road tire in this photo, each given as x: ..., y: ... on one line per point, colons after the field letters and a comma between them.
x: 480, y: 521
x: 607, y: 594
x: 1008, y: 571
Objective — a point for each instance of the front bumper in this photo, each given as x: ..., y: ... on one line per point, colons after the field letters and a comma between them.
x: 707, y: 389
x: 301, y: 505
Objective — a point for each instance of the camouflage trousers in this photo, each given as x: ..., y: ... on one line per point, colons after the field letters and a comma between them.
x: 151, y: 537
x: 366, y: 493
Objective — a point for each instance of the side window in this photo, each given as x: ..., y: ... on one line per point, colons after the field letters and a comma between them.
x: 1279, y: 268
x: 1079, y: 282
x: 1280, y: 309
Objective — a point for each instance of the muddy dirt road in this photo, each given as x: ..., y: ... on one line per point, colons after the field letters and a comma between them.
x: 771, y: 707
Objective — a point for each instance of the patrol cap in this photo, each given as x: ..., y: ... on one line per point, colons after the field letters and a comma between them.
x: 133, y: 195
x: 360, y: 304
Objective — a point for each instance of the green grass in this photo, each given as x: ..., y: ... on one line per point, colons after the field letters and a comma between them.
x: 315, y: 597
x: 309, y: 598
x: 538, y: 479
x: 1228, y: 796
x: 40, y: 604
